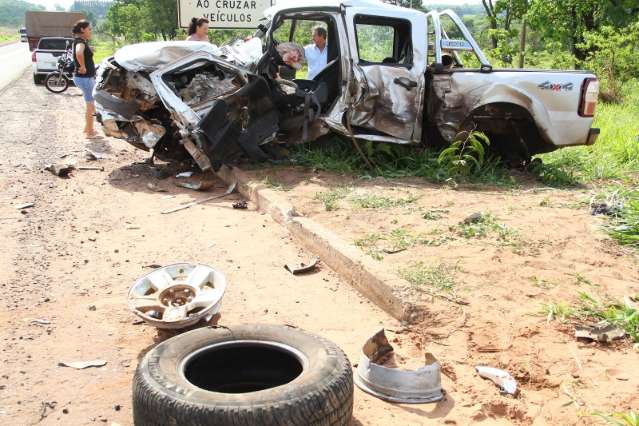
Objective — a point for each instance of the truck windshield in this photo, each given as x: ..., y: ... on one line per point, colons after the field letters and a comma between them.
x: 53, y: 44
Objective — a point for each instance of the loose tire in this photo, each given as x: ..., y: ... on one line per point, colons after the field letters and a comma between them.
x: 56, y: 82
x: 245, y: 375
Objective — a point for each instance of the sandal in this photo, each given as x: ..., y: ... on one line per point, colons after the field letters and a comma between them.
x: 94, y: 135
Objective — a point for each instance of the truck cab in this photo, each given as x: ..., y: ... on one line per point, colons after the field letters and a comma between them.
x: 398, y: 75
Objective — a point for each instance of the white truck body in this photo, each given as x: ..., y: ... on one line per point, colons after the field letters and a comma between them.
x: 225, y: 102
x: 45, y: 57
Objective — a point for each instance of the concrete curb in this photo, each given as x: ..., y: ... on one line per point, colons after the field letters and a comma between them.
x: 370, y: 278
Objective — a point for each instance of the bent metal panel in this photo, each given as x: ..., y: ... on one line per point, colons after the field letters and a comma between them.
x: 223, y: 13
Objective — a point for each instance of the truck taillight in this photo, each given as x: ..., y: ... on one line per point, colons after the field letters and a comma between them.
x: 589, y: 95
x: 33, y: 58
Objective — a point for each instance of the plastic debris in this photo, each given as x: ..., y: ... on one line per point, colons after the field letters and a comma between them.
x: 301, y: 268
x: 501, y: 378
x: 81, y: 365
x: 603, y: 332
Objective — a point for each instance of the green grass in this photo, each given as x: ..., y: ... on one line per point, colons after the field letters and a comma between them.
x: 103, y: 49
x: 625, y: 227
x: 440, y: 277
x: 483, y: 225
x: 591, y: 309
x: 335, y: 154
x: 631, y: 418
x: 372, y: 201
x: 615, y: 155
x: 9, y: 34
x: 273, y: 184
x: 331, y: 198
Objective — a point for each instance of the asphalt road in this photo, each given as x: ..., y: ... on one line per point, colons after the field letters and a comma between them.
x: 14, y: 58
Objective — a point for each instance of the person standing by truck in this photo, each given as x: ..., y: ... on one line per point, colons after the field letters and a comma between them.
x: 198, y: 30
x: 84, y: 71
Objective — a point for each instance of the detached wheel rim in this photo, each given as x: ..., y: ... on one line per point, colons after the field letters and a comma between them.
x: 177, y: 296
x: 243, y: 366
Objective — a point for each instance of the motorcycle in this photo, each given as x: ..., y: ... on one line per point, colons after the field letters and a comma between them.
x: 58, y: 81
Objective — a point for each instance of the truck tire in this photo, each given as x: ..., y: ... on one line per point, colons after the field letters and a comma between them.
x: 244, y: 375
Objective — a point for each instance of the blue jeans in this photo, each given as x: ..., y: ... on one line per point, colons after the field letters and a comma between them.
x: 86, y: 85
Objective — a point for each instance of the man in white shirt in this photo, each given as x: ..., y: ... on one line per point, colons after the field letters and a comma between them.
x: 316, y: 53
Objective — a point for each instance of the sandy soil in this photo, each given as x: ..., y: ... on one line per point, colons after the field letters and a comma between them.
x: 544, y: 247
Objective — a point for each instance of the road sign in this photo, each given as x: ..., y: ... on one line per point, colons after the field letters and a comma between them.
x: 223, y: 13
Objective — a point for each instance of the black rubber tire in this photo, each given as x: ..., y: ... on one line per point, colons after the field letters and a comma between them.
x: 56, y: 89
x: 321, y: 395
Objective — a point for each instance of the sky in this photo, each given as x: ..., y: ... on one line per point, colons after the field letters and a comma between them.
x: 49, y: 4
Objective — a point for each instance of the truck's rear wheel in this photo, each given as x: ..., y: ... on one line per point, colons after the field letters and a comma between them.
x: 244, y: 375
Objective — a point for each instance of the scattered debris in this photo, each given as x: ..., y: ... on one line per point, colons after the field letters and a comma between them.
x: 301, y: 268
x: 41, y: 322
x: 152, y: 266
x: 153, y: 187
x: 177, y: 296
x: 501, y: 378
x: 61, y: 170
x: 201, y: 185
x: 101, y: 169
x: 93, y: 155
x: 81, y: 365
x: 603, y: 332
x: 92, y: 308
x: 394, y: 250
x: 132, y: 227
x: 184, y: 175
x: 25, y: 206
x: 228, y: 192
x: 241, y: 205
x: 392, y: 384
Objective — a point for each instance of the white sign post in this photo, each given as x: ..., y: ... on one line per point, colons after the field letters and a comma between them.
x: 234, y: 14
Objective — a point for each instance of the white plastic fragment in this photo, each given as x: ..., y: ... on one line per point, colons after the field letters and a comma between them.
x: 80, y: 365
x: 501, y: 378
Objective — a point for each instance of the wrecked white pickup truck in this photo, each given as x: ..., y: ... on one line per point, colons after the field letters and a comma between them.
x: 214, y: 104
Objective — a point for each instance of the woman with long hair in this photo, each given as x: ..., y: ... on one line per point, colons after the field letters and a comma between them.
x: 84, y: 71
x: 198, y: 30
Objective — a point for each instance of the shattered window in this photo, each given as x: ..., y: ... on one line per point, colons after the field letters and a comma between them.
x: 383, y: 41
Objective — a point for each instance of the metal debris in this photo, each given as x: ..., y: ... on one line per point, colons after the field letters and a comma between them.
x: 241, y: 205
x: 229, y: 191
x: 201, y: 185
x: 25, y: 206
x: 603, y: 332
x: 177, y: 296
x: 301, y: 268
x: 153, y: 187
x: 93, y: 155
x: 81, y: 365
x: 392, y: 384
x: 41, y: 321
x: 501, y: 378
x: 62, y: 169
x: 184, y: 175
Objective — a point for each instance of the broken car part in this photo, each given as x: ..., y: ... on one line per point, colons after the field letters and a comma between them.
x: 267, y: 375
x: 301, y: 268
x: 177, y: 296
x: 60, y: 170
x: 231, y: 189
x: 602, y: 332
x: 501, y: 378
x: 240, y: 205
x: 392, y: 384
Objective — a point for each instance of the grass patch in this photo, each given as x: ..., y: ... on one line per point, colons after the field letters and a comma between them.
x: 102, y: 49
x: 331, y: 198
x: 435, y: 214
x: 335, y: 154
x: 9, y: 34
x: 371, y: 201
x: 399, y: 239
x: 631, y: 418
x: 561, y: 311
x: 271, y: 183
x: 439, y: 277
x: 482, y: 225
x: 625, y: 226
x: 614, y: 156
x: 624, y: 315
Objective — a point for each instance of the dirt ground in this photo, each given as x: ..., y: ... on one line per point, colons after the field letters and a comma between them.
x: 541, y: 245
x: 70, y: 259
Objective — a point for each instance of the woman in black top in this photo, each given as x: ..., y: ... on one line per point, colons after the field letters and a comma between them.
x: 84, y: 74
